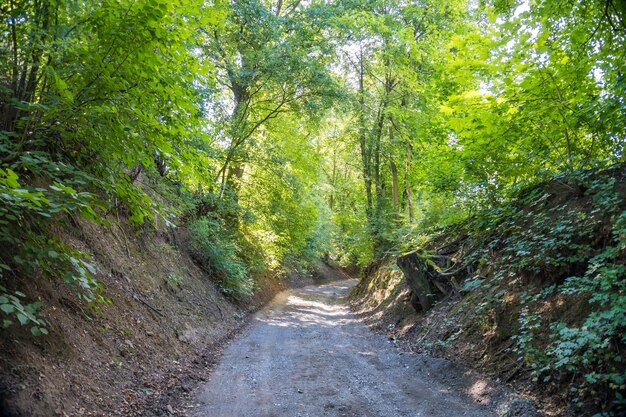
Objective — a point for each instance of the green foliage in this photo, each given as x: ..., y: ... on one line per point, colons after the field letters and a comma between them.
x: 24, y: 210
x: 567, y: 236
x: 589, y: 348
x: 284, y: 132
x: 81, y: 109
x: 26, y: 314
x: 220, y: 257
x: 530, y: 324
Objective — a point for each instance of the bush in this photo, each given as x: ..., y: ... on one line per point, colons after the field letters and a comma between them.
x: 26, y: 247
x: 573, y: 244
x: 220, y: 256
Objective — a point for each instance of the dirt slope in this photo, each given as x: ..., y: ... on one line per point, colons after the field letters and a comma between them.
x: 308, y: 355
x: 166, y: 319
x: 544, y: 256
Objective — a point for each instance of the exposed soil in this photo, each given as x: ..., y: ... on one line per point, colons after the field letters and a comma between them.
x: 158, y: 338
x: 307, y: 354
x: 477, y: 327
x: 382, y: 301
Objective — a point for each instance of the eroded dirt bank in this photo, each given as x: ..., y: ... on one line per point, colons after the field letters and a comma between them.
x: 157, y: 339
x: 306, y: 354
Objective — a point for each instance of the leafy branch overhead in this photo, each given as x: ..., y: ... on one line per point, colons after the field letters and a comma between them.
x: 279, y: 133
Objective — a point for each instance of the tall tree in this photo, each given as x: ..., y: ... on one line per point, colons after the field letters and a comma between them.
x: 269, y: 62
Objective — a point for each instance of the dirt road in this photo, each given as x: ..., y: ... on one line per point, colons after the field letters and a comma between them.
x: 307, y: 355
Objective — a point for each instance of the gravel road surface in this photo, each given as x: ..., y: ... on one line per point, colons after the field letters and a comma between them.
x: 307, y: 355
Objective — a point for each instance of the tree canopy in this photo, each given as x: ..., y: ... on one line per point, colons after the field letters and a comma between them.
x: 282, y: 132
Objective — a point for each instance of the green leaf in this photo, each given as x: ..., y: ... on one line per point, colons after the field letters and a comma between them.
x: 38, y: 331
x: 90, y: 267
x: 69, y: 278
x: 23, y: 319
x: 12, y: 179
x: 7, y: 308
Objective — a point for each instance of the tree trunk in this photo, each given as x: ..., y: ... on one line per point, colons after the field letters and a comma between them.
x: 394, y: 186
x: 236, y: 132
x: 365, y: 152
x: 333, y: 181
x: 425, y: 278
x: 407, y: 186
x: 416, y: 271
x: 394, y: 178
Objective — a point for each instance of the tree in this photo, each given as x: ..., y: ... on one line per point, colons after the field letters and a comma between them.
x: 268, y: 62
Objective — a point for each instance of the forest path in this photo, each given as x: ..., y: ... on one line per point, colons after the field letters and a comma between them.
x: 307, y: 355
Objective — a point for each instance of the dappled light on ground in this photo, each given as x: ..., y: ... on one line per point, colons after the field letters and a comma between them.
x: 310, y: 356
x: 479, y: 391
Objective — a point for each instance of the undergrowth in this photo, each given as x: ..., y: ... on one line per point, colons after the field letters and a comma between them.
x: 27, y: 246
x: 220, y: 256
x: 562, y: 246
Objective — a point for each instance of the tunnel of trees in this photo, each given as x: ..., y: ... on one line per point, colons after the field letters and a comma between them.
x: 282, y: 132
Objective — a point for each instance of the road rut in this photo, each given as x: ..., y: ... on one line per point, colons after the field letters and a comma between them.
x: 307, y: 355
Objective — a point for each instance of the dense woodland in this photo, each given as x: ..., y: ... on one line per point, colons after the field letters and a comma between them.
x: 284, y: 132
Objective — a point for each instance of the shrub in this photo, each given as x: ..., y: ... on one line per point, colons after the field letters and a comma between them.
x: 27, y: 249
x: 220, y: 256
